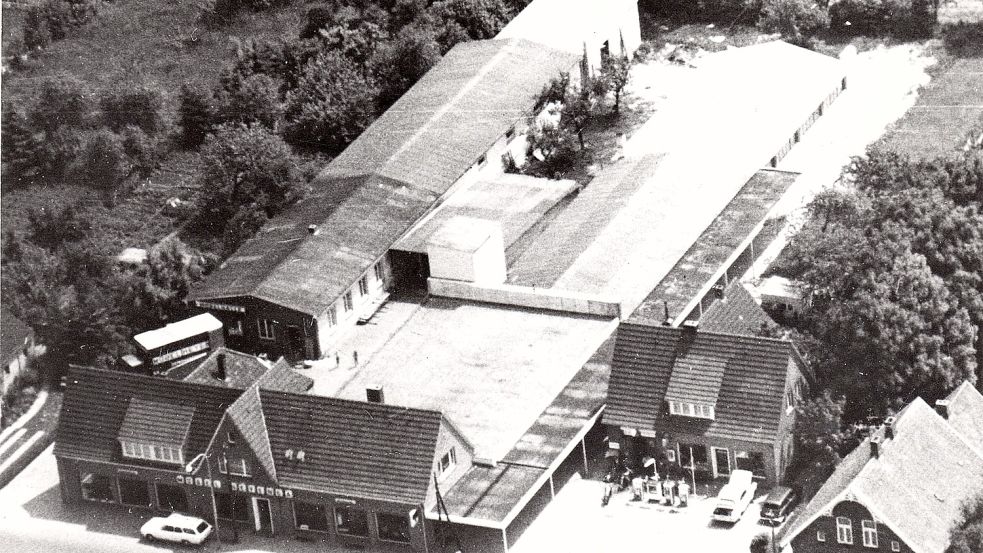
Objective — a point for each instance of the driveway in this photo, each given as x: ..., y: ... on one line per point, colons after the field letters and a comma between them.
x: 576, y: 521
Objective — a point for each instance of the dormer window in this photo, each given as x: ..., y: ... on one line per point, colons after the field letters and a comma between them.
x: 155, y: 431
x: 151, y: 452
x: 688, y: 409
x: 447, y: 463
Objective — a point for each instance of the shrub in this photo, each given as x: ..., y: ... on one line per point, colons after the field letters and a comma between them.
x: 480, y: 19
x: 103, y: 163
x: 60, y: 102
x: 197, y: 114
x: 144, y: 151
x: 37, y: 34
x: 551, y: 151
x: 140, y: 107
x: 900, y: 18
x: 398, y: 64
x: 255, y: 99
x: 964, y: 39
x: 52, y: 227
x: 334, y: 102
x: 57, y: 152
x: 794, y: 19
x: 22, y: 148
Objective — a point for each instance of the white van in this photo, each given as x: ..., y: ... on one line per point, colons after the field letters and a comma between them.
x: 735, y: 497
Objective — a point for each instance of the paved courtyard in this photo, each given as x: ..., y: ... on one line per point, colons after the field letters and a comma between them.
x: 576, y: 521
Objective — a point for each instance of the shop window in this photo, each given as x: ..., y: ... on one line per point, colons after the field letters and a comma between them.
x: 447, y: 463
x: 844, y: 530
x: 308, y: 516
x: 869, y: 529
x: 97, y: 487
x: 235, y: 328
x: 232, y: 507
x: 753, y: 461
x: 348, y: 301
x: 393, y: 527
x: 172, y: 498
x: 134, y: 492
x: 265, y: 329
x: 698, y: 452
x: 351, y: 522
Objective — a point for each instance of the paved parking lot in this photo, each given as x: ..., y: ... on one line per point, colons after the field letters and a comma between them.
x: 576, y: 521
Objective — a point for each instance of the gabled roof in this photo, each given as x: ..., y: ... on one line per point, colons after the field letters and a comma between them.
x: 390, y: 177
x: 352, y: 448
x: 242, y: 370
x: 246, y: 414
x: 735, y: 313
x: 966, y: 413
x: 96, y: 401
x: 916, y: 485
x: 751, y: 389
x: 156, y: 422
x: 13, y: 332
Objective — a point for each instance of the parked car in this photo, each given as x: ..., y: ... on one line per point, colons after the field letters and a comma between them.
x: 777, y: 505
x: 735, y: 496
x: 177, y: 528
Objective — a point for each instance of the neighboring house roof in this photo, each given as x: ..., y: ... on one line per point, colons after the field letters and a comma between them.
x: 389, y: 178
x: 916, y: 485
x: 156, y: 422
x: 966, y: 413
x: 352, y: 448
x: 242, y: 370
x: 95, y: 405
x: 246, y: 414
x: 179, y: 330
x: 735, y: 313
x: 13, y: 333
x: 648, y: 357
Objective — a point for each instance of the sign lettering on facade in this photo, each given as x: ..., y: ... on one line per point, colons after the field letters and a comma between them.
x: 193, y: 348
x: 220, y: 306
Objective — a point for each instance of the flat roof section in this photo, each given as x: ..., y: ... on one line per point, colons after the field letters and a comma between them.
x: 716, y: 244
x: 517, y: 202
x: 490, y: 369
x: 199, y: 324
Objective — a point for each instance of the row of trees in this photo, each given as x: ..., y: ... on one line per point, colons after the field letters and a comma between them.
x: 62, y: 137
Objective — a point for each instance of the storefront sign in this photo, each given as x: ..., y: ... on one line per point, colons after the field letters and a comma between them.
x: 202, y: 482
x: 220, y: 306
x: 260, y: 490
x: 193, y: 348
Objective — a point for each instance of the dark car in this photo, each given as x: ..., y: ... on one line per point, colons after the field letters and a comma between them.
x: 777, y: 506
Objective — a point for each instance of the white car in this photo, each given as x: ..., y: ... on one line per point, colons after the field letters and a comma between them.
x: 735, y: 497
x: 177, y: 528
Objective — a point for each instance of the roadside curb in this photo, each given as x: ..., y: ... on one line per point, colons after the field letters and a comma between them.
x: 28, y: 415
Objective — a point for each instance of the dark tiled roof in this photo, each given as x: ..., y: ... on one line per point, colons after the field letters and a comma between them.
x: 696, y: 377
x: 749, y: 404
x: 156, y: 422
x: 242, y: 370
x: 392, y: 175
x: 95, y: 403
x: 13, y: 332
x: 367, y: 450
x: 916, y: 485
x: 735, y: 313
x: 247, y: 416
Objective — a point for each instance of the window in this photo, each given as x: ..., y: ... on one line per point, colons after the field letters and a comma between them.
x: 895, y: 546
x: 348, y: 301
x: 351, y: 522
x: 239, y: 467
x: 232, y: 507
x: 753, y: 461
x: 363, y: 285
x: 171, y: 498
x: 447, y: 462
x: 265, y: 329
x: 223, y: 464
x: 869, y: 529
x: 687, y: 409
x: 393, y: 527
x: 377, y: 269
x: 332, y: 316
x: 134, y: 492
x: 235, y: 329
x: 308, y: 516
x: 163, y: 454
x: 821, y: 536
x: 97, y: 487
x: 698, y: 452
x: 844, y: 530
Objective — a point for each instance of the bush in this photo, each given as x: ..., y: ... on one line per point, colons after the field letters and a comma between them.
x: 255, y: 99
x: 964, y: 39
x: 103, y: 163
x: 398, y: 64
x: 50, y: 228
x: 141, y: 108
x: 60, y: 102
x: 703, y: 11
x: 37, y: 34
x: 480, y: 19
x: 197, y: 114
x: 900, y: 18
x: 144, y: 151
x: 551, y: 151
x: 57, y: 152
x: 333, y: 103
x: 794, y: 19
x: 22, y: 148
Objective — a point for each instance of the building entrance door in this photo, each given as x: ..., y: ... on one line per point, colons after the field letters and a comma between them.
x: 721, y: 462
x: 263, y: 516
x: 295, y: 342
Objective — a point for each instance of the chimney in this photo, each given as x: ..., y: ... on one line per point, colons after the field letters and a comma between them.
x: 220, y: 366
x: 375, y: 394
x: 312, y: 230
x: 942, y: 408
x: 889, y: 428
x: 718, y: 291
x: 875, y: 446
x: 690, y: 326
x: 667, y: 320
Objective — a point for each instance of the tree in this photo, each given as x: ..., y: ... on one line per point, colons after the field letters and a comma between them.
x: 333, y: 103
x: 254, y: 99
x: 481, y: 19
x: 551, y: 151
x: 760, y: 543
x: 818, y: 427
x: 794, y: 19
x: 355, y: 33
x: 140, y: 107
x: 399, y: 63
x: 967, y: 536
x: 155, y: 292
x: 60, y: 102
x: 578, y: 110
x: 247, y: 166
x: 144, y: 152
x: 58, y: 151
x: 52, y: 227
x: 22, y: 147
x: 104, y: 164
x: 616, y: 73
x: 197, y: 114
